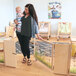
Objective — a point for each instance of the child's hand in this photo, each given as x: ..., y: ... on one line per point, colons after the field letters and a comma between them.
x: 16, y: 22
x: 22, y: 15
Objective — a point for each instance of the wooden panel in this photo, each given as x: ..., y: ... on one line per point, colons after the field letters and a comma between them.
x: 45, y: 29
x: 66, y: 33
x: 61, y: 58
x: 10, y: 54
x: 10, y: 31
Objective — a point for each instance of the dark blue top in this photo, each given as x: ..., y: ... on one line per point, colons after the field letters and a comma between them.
x: 26, y: 26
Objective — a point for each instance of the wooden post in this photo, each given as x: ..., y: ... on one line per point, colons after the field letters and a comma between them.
x: 52, y: 62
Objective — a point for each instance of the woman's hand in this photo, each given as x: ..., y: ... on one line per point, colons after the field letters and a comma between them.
x: 39, y: 37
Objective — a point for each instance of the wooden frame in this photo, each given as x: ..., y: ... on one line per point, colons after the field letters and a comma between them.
x: 10, y: 31
x: 63, y: 35
x: 47, y: 32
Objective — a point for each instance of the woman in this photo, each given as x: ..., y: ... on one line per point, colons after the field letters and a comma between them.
x: 29, y: 28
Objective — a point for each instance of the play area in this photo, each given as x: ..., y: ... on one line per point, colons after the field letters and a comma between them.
x: 38, y: 38
x: 53, y: 53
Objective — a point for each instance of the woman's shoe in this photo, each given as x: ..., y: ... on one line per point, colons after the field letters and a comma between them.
x: 24, y: 60
x: 29, y: 62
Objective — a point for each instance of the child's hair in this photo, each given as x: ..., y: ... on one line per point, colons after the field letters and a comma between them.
x: 18, y: 7
x: 32, y: 11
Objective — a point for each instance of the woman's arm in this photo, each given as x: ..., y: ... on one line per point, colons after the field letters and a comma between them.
x: 36, y: 28
x: 37, y: 31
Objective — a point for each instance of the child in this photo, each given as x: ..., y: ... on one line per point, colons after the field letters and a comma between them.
x: 19, y: 15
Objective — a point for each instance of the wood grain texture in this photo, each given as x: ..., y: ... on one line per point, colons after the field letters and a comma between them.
x: 61, y: 63
x: 10, y: 54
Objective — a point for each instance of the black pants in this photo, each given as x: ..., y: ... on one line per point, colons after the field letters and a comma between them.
x: 24, y: 43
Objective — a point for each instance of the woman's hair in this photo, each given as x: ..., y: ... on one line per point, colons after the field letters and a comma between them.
x: 24, y: 13
x: 32, y: 11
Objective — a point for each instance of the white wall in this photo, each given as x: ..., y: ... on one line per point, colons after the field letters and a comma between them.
x: 6, y: 13
x: 69, y: 14
x: 41, y: 6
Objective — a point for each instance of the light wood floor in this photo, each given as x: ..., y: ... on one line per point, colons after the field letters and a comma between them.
x: 36, y: 69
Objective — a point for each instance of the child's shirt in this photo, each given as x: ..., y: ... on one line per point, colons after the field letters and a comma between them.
x: 18, y: 18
